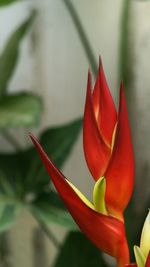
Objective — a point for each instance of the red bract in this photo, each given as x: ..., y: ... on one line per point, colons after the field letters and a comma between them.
x: 106, y: 232
x: 107, y: 143
x: 109, y: 155
x: 148, y: 261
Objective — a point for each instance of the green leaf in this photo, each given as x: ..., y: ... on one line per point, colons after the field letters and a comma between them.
x: 10, y: 204
x: 10, y: 54
x: 23, y: 177
x: 7, y: 2
x: 11, y: 169
x: 20, y: 110
x: 77, y: 251
x: 58, y: 143
x: 49, y: 208
x: 24, y: 169
x: 8, y: 215
x: 51, y: 198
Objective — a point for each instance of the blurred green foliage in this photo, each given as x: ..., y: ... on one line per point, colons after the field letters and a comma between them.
x: 25, y: 183
x: 19, y: 109
x: 7, y: 2
x: 23, y: 180
x: 78, y: 251
x: 10, y: 54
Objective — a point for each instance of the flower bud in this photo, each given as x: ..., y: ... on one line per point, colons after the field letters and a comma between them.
x: 145, y: 237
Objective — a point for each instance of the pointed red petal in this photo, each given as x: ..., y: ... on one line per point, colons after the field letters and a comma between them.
x: 120, y: 172
x: 107, y: 110
x: 96, y: 152
x: 96, y: 98
x: 107, y: 233
x: 148, y: 261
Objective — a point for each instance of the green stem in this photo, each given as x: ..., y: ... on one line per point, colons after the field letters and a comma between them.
x: 11, y: 140
x: 124, y: 59
x: 82, y: 35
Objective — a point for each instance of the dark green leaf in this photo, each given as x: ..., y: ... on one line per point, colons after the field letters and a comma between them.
x: 12, y: 175
x: 24, y: 169
x: 51, y: 197
x: 22, y: 175
x: 55, y: 200
x: 77, y: 251
x: 7, y: 2
x: 49, y: 208
x: 10, y: 54
x: 57, y: 142
x: 19, y: 110
x: 8, y: 214
x: 10, y: 203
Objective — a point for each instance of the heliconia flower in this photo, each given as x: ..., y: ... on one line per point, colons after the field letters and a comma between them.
x: 107, y: 143
x: 142, y: 253
x: 109, y: 155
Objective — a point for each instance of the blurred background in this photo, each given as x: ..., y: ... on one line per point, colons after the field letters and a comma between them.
x: 46, y: 49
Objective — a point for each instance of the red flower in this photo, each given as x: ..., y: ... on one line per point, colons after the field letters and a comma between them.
x: 108, y: 152
x: 107, y: 143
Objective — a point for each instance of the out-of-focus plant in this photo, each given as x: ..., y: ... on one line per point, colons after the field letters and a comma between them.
x: 77, y: 250
x: 17, y: 109
x: 7, y: 2
x: 18, y: 186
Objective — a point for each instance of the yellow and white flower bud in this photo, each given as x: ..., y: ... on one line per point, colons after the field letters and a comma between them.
x: 139, y: 256
x: 145, y: 237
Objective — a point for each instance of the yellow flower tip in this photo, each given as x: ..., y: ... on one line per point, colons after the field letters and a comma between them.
x: 99, y: 195
x: 139, y: 256
x: 113, y: 137
x: 145, y: 236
